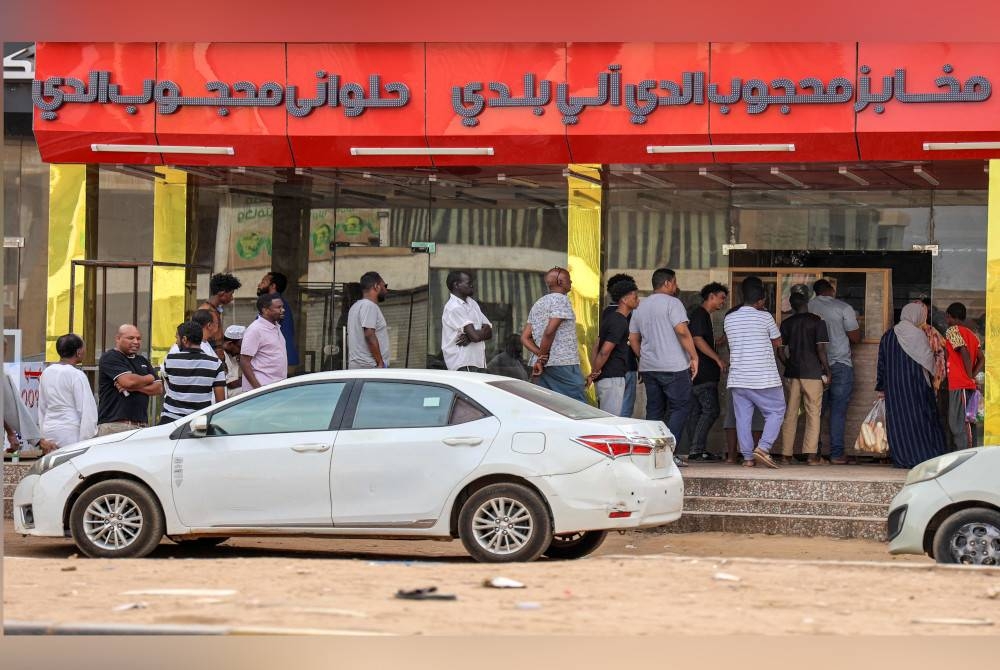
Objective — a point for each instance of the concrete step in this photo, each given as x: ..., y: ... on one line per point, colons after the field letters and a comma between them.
x: 777, y: 488
x: 871, y: 528
x: 784, y: 507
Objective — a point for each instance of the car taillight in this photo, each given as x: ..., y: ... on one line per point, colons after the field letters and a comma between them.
x: 614, y: 446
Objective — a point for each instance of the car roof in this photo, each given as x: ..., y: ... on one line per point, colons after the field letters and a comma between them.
x: 408, y: 374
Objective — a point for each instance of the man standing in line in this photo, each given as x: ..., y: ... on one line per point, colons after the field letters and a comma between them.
x: 632, y: 369
x: 965, y: 360
x: 126, y: 379
x: 205, y: 319
x: 232, y: 341
x: 550, y: 335
x: 705, y: 387
x: 197, y: 379
x: 221, y: 288
x: 611, y: 355
x: 263, y: 358
x: 67, y: 412
x: 464, y: 327
x: 753, y: 375
x: 843, y: 330
x: 367, y: 331
x: 276, y: 282
x: 668, y: 360
x: 808, y: 372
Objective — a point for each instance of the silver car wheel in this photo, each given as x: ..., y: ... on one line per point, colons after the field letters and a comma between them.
x: 502, y: 525
x: 976, y: 544
x: 112, y: 522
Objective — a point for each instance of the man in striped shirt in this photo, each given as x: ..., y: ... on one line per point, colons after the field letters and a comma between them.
x: 753, y: 374
x: 195, y: 378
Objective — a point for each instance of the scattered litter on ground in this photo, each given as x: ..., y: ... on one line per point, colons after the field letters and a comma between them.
x: 194, y: 593
x: 808, y: 620
x: 726, y: 577
x: 630, y: 546
x: 527, y: 605
x: 992, y: 592
x: 129, y: 606
x: 503, y: 583
x: 427, y: 593
x: 949, y: 621
x: 406, y: 563
x: 73, y: 556
x: 68, y: 568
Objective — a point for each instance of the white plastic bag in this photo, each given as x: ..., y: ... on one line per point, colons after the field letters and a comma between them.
x: 873, y: 438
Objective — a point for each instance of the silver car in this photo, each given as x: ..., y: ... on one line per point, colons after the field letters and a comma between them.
x: 949, y: 509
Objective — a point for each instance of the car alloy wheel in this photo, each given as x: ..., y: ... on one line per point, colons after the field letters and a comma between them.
x: 112, y: 522
x: 116, y: 518
x: 976, y: 544
x: 502, y: 523
x: 502, y: 526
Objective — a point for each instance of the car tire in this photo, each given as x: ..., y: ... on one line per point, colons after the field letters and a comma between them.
x: 970, y: 536
x: 504, y: 523
x: 575, y: 545
x: 128, y: 504
x: 197, y: 542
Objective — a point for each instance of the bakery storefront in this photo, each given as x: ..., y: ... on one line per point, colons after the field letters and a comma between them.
x: 154, y: 165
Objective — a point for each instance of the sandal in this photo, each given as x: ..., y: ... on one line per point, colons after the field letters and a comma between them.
x: 749, y: 464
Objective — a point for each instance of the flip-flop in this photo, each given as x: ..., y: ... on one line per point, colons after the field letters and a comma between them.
x: 429, y: 593
x: 764, y: 457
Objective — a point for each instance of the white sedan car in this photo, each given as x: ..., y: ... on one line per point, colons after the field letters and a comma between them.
x: 949, y: 508
x: 513, y: 470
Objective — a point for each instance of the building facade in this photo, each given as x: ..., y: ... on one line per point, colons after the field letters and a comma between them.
x: 146, y: 167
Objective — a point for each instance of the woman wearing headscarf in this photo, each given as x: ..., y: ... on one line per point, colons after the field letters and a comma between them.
x: 911, y: 366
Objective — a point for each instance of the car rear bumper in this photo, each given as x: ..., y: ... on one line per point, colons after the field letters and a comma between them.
x: 910, y: 512
x: 585, y: 500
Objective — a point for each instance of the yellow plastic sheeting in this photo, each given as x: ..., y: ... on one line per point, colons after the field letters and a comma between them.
x: 67, y: 242
x: 992, y: 344
x: 584, y: 258
x: 169, y: 246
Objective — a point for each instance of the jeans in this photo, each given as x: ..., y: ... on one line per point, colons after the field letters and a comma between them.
x: 628, y: 402
x: 771, y: 403
x: 564, y: 379
x: 704, y: 412
x: 835, y: 401
x: 610, y: 394
x: 673, y: 388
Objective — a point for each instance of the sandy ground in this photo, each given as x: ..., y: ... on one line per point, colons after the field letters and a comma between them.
x: 637, y: 584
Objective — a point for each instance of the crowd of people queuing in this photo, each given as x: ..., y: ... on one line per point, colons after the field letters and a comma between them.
x: 770, y: 375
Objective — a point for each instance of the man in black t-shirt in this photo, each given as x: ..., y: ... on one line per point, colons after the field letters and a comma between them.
x: 808, y: 372
x: 705, y: 387
x: 632, y: 373
x: 125, y: 381
x: 611, y: 355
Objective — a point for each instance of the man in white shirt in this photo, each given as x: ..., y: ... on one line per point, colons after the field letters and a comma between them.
x: 464, y: 327
x: 232, y: 342
x: 753, y: 374
x: 67, y: 410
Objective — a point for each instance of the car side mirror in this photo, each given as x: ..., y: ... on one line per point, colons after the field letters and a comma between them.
x: 199, y: 425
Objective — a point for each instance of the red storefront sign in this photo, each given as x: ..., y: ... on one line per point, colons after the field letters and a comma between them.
x: 344, y: 105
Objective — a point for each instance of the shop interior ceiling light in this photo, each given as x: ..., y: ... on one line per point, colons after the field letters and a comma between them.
x: 518, y: 181
x: 960, y: 146
x: 925, y: 175
x: 714, y: 177
x: 567, y: 173
x: 316, y: 175
x: 421, y: 151
x: 136, y: 172
x: 857, y: 179
x: 163, y: 149
x: 259, y: 174
x: 787, y: 177
x: 715, y: 148
x: 204, y: 174
x: 652, y: 179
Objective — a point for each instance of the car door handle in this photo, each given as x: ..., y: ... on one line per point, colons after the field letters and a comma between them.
x: 462, y: 441
x: 302, y: 448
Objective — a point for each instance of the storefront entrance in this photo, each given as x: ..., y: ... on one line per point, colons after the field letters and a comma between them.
x: 876, y: 284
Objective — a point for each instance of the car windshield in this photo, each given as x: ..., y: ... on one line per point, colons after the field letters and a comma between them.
x: 550, y: 400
